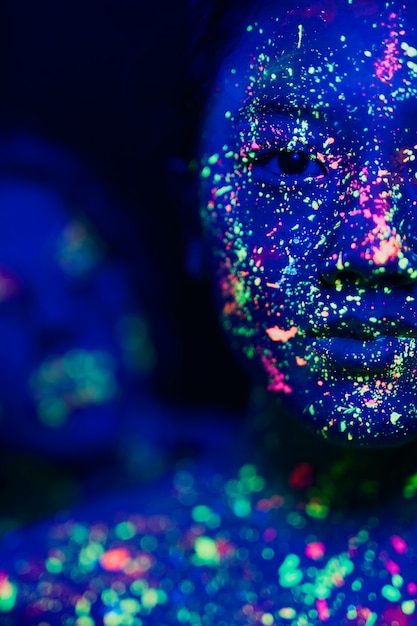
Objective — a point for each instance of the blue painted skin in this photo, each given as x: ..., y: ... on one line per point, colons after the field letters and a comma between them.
x: 319, y: 196
x: 309, y: 192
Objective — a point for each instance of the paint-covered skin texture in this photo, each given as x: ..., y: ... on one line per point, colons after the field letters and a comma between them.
x: 309, y: 201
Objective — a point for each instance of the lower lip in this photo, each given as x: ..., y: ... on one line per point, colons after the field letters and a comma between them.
x: 365, y: 356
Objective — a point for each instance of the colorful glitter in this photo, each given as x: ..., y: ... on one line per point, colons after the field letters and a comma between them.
x: 239, y: 570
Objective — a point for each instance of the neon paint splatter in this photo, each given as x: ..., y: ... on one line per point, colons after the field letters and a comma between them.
x: 309, y: 208
x: 77, y: 379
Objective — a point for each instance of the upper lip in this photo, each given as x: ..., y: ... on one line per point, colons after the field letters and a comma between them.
x: 365, y: 330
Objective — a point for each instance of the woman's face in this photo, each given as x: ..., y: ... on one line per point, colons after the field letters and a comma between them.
x: 309, y: 196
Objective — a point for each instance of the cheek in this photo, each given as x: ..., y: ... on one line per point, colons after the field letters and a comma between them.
x: 261, y: 239
x: 259, y: 250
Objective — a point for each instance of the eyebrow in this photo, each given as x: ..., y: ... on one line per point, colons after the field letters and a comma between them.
x: 280, y: 108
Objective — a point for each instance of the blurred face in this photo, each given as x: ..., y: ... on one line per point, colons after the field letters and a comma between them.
x: 61, y: 304
x: 309, y: 200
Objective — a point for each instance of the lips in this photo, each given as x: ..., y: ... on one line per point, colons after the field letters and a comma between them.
x: 365, y: 346
x: 365, y: 330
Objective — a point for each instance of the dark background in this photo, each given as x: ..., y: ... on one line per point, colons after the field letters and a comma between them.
x: 103, y: 78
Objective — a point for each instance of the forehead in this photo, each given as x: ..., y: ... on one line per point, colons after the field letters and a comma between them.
x: 323, y: 55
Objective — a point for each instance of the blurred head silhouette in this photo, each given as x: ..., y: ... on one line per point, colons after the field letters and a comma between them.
x: 70, y: 334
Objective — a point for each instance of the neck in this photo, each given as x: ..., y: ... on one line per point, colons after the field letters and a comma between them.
x: 294, y: 460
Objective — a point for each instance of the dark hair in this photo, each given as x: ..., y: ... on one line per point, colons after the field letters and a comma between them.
x: 208, y: 31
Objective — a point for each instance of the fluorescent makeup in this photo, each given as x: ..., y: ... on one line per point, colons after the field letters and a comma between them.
x: 309, y: 200
x: 75, y: 380
x: 79, y: 250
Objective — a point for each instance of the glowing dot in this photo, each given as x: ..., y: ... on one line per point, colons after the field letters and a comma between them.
x: 279, y: 334
x: 241, y: 507
x: 205, y: 172
x: 398, y: 543
x: 322, y: 610
x: 410, y: 51
x: 268, y: 554
x: 53, y: 565
x: 317, y: 509
x: 212, y: 160
x: 85, y: 620
x: 82, y: 607
x: 8, y: 593
x: 183, y: 615
x: 290, y: 578
x: 394, y: 417
x: 206, y: 550
x: 115, y: 560
x: 150, y: 598
x: 287, y: 613
x: 267, y: 619
x: 223, y: 190
x: 315, y: 550
x: 300, y: 361
x: 391, y: 593
x: 130, y: 605
x: 112, y: 619
x: 201, y: 513
x: 397, y: 580
x: 408, y: 607
x: 125, y: 530
x: 289, y: 574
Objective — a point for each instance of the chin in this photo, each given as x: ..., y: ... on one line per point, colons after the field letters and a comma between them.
x: 361, y: 417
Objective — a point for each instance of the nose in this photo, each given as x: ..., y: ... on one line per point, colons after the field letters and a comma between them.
x: 365, y: 246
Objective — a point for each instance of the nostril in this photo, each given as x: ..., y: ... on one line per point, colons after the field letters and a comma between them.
x: 345, y: 277
x: 355, y: 268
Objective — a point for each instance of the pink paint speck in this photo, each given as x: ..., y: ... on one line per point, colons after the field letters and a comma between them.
x: 399, y: 545
x: 412, y: 589
x: 322, y: 610
x: 392, y: 567
x: 276, y: 378
x: 315, y: 550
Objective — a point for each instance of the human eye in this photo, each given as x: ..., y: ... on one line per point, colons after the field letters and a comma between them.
x: 283, y: 166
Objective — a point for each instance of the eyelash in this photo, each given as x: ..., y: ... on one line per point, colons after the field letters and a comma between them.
x: 283, y: 165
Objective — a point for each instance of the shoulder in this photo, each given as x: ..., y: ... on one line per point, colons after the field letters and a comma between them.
x: 201, y: 547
